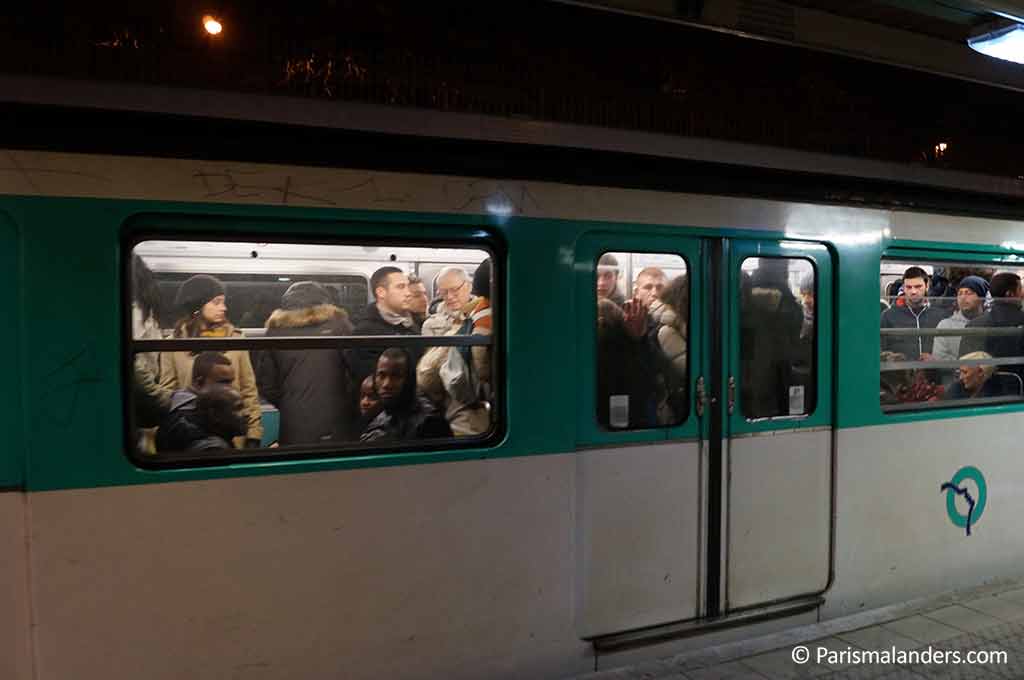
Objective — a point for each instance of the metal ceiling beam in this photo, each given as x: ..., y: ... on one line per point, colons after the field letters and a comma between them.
x: 1011, y: 9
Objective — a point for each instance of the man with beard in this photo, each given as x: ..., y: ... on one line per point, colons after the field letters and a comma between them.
x: 913, y: 311
x: 405, y: 416
x: 970, y: 302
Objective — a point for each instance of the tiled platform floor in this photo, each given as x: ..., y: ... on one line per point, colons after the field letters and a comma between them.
x: 989, y: 619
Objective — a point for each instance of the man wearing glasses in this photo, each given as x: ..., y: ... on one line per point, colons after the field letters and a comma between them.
x: 454, y: 290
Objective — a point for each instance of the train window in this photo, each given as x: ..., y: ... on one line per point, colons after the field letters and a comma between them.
x: 283, y: 348
x: 950, y: 334
x: 642, y: 341
x: 778, y: 337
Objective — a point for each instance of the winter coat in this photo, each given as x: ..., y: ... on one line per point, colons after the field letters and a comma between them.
x: 181, y: 430
x: 312, y: 388
x: 627, y: 367
x: 667, y: 332
x: 149, y: 399
x: 479, y: 310
x: 990, y: 388
x: 420, y: 420
x: 362, y: 362
x: 947, y: 348
x: 464, y: 419
x: 176, y: 374
x: 1000, y: 315
x: 903, y: 316
x: 773, y: 360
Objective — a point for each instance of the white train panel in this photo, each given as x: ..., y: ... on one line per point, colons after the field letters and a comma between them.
x: 895, y: 538
x: 395, y: 572
x: 779, y: 516
x: 640, y: 512
x: 15, y: 647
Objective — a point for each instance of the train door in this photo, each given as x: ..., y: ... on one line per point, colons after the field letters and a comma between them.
x: 771, y: 526
x: 640, y: 467
x: 703, y: 479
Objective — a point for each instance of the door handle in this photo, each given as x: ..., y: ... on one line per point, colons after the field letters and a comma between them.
x: 732, y: 394
x: 701, y: 397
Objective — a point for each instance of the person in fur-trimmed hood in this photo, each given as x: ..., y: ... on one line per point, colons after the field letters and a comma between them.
x: 312, y: 388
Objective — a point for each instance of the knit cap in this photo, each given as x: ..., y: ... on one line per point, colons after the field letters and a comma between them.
x: 975, y: 283
x: 196, y: 292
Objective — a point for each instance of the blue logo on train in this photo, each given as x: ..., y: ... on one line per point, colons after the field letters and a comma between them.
x: 975, y: 506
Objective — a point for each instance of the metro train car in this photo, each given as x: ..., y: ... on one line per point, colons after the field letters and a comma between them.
x: 677, y: 436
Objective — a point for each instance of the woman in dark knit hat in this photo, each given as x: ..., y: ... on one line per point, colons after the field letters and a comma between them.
x: 203, y: 313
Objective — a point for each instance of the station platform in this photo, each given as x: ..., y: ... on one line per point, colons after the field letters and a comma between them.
x: 976, y: 633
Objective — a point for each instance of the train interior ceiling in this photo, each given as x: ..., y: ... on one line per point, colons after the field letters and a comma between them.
x: 256, y: 275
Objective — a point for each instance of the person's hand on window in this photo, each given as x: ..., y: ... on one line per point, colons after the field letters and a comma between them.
x: 634, y: 318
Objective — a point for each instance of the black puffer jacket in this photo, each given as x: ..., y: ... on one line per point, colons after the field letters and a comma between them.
x: 420, y: 421
x: 363, y: 361
x: 408, y: 417
x: 1005, y: 313
x: 312, y: 388
x: 180, y: 430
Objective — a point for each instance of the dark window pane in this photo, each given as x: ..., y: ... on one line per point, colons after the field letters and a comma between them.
x: 642, y: 340
x: 778, y: 337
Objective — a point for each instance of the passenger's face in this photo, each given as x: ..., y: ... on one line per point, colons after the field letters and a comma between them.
x: 807, y: 298
x: 397, y: 297
x: 454, y: 290
x: 418, y: 298
x: 228, y: 419
x: 648, y: 288
x: 215, y: 312
x: 914, y: 290
x: 606, y: 279
x: 971, y: 377
x: 389, y: 379
x: 220, y: 374
x: 968, y: 301
x: 368, y: 401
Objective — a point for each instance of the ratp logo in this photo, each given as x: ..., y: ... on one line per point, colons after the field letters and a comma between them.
x: 975, y: 498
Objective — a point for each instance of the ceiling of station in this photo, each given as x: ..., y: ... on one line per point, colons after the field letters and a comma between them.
x: 945, y: 20
x: 928, y: 35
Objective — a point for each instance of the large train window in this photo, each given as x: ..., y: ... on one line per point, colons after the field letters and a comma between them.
x: 642, y: 315
x: 778, y: 337
x: 950, y: 333
x: 269, y: 349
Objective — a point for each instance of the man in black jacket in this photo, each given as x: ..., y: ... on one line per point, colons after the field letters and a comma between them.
x: 220, y: 415
x: 1005, y: 312
x: 388, y: 315
x: 911, y: 311
x: 406, y: 417
x: 180, y: 426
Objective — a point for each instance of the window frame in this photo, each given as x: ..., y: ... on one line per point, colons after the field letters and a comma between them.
x: 689, y: 395
x: 218, y: 228
x: 589, y: 247
x: 815, y: 350
x: 822, y: 259
x: 948, y: 255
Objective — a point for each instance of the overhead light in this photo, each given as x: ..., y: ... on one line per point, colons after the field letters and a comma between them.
x: 212, y: 26
x: 1004, y: 43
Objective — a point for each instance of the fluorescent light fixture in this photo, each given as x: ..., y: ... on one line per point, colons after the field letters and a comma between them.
x: 1005, y: 43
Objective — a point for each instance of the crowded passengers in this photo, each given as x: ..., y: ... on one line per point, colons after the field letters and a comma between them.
x: 921, y: 301
x: 210, y: 400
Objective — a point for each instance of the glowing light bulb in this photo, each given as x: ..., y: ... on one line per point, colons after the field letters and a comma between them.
x: 212, y: 26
